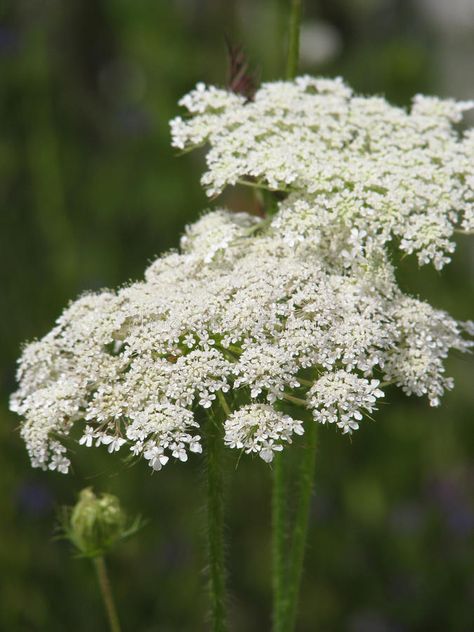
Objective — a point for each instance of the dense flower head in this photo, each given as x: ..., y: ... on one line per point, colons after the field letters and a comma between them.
x: 260, y: 428
x: 256, y: 318
x: 354, y: 166
x: 340, y: 397
x: 260, y: 321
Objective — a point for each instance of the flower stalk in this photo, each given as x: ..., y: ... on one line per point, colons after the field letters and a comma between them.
x: 215, y: 523
x: 293, y: 39
x: 288, y: 568
x: 106, y: 592
x: 300, y: 528
x: 279, y: 541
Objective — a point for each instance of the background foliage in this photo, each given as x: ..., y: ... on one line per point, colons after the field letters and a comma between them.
x: 90, y: 192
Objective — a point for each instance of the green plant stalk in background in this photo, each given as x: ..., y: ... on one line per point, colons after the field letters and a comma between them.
x: 43, y: 155
x: 293, y: 39
x: 279, y: 540
x: 300, y: 526
x: 215, y: 514
x: 289, y: 542
x: 289, y: 535
x: 106, y: 592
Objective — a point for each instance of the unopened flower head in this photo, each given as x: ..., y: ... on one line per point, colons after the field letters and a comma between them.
x: 96, y: 523
x: 301, y: 309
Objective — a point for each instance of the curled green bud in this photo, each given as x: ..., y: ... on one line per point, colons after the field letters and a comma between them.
x: 96, y: 523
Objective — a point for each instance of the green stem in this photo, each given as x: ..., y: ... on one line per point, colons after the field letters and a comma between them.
x: 263, y: 186
x: 305, y: 382
x: 106, y: 593
x: 215, y: 520
x: 293, y: 39
x: 223, y: 402
x: 284, y: 600
x: 295, y: 400
x: 43, y: 157
x: 260, y: 226
x: 300, y: 527
x: 279, y: 541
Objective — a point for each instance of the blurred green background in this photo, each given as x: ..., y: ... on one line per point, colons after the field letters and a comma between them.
x: 90, y: 192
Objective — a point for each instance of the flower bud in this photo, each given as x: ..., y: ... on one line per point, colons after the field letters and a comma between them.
x: 96, y: 523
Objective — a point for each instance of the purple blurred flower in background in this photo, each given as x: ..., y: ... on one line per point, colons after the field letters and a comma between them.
x: 452, y: 494
x: 33, y: 498
x: 9, y: 40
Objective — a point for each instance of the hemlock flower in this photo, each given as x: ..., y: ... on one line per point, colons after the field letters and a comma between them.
x: 260, y: 428
x: 347, y: 161
x: 340, y: 397
x: 301, y: 308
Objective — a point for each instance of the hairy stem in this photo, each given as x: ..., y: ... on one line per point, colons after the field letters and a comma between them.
x: 283, y: 607
x: 300, y: 527
x: 279, y: 541
x: 106, y: 593
x: 293, y: 39
x: 215, y: 522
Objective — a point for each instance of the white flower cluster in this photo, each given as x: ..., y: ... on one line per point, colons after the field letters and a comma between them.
x: 339, y: 398
x: 260, y: 428
x: 215, y: 233
x: 356, y: 168
x: 301, y: 309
